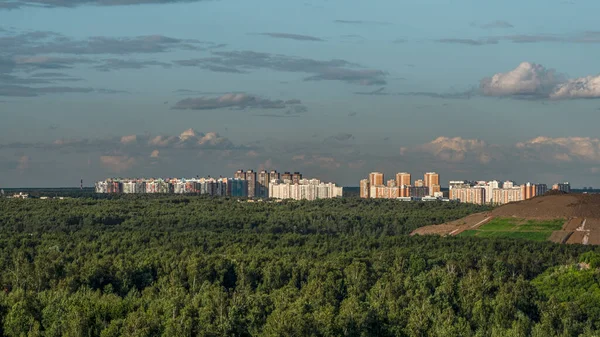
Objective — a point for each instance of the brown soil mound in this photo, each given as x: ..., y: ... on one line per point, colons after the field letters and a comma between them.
x: 553, y: 206
x: 594, y: 238
x: 576, y: 237
x: 573, y: 224
x: 560, y: 236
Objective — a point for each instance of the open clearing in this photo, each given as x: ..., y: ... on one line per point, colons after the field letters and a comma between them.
x: 537, y: 230
x: 568, y: 218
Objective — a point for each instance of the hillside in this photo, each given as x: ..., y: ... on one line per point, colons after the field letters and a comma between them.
x: 553, y: 206
x: 535, y: 218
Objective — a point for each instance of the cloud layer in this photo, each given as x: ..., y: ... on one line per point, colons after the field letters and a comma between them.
x: 297, y: 37
x: 535, y: 81
x: 14, y: 4
x: 337, y: 157
x: 245, y: 61
x: 232, y: 100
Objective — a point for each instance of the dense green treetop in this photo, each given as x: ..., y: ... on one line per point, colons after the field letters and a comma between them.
x: 193, y: 266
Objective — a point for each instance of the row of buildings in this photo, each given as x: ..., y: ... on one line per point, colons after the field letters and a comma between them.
x: 244, y: 184
x: 258, y: 182
x: 305, y: 189
x: 477, y: 192
x: 210, y: 186
x: 498, y: 193
x: 401, y: 186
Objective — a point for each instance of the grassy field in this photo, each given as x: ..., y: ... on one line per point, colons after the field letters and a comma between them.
x: 536, y: 230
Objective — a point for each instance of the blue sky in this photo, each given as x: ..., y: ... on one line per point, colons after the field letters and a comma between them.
x: 471, y: 89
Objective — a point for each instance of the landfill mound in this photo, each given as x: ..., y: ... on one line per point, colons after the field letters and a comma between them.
x: 565, y: 206
x: 581, y: 213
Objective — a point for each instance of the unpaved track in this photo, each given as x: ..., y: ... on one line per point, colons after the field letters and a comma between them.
x: 455, y: 227
x: 573, y: 224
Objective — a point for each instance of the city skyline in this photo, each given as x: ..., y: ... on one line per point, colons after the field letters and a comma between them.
x: 250, y: 184
x: 357, y: 88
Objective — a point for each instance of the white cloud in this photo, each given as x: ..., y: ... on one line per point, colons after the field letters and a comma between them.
x: 457, y: 149
x: 190, y: 138
x: 583, y: 87
x: 117, y: 164
x: 565, y: 149
x: 528, y: 79
x: 128, y: 139
x: 534, y: 80
x: 154, y: 154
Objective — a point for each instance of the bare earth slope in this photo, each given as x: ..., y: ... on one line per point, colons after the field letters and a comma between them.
x: 580, y: 211
x: 564, y: 206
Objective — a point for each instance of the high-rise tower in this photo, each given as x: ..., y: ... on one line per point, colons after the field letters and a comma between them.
x: 432, y: 180
x: 251, y: 179
x: 402, y: 178
x: 376, y: 179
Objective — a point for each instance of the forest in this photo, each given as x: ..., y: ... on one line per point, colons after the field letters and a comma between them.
x: 195, y: 266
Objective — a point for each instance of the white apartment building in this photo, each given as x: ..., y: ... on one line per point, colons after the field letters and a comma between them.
x: 305, y: 190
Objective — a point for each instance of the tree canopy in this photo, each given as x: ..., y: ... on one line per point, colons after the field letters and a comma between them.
x: 193, y: 266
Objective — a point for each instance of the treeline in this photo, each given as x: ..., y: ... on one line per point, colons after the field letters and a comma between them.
x: 326, y: 216
x: 141, y: 274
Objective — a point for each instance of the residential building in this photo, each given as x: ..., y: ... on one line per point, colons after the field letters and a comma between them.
x: 418, y: 191
x: 376, y: 179
x: 304, y: 190
x: 563, y: 187
x: 296, y: 177
x: 251, y: 179
x: 262, y: 184
x: 505, y: 195
x: 402, y: 178
x: 240, y: 174
x: 365, y: 189
x: 432, y: 180
x: 473, y: 195
x: 239, y: 187
x: 273, y: 175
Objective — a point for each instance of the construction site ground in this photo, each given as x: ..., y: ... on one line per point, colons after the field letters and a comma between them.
x: 580, y: 213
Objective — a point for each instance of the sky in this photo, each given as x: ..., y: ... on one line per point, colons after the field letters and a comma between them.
x: 477, y: 90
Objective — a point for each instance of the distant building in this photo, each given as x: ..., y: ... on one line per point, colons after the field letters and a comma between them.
x: 239, y: 187
x: 418, y: 191
x: 563, y: 187
x: 273, y: 175
x: 505, y: 195
x: 473, y: 195
x: 296, y: 177
x: 304, y: 190
x: 251, y: 179
x: 432, y: 180
x: 489, y: 187
x: 376, y: 179
x: 262, y: 184
x: 286, y: 176
x: 419, y: 183
x: 384, y: 192
x: 530, y: 190
x: 402, y: 178
x: 459, y: 184
x: 240, y: 174
x: 365, y: 189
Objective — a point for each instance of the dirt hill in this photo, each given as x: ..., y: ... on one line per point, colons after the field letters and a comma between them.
x: 553, y: 206
x: 581, y: 213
